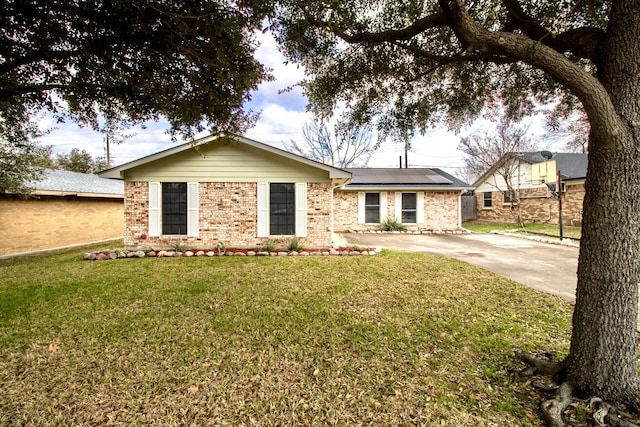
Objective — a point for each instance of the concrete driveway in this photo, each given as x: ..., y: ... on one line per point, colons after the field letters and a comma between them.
x: 543, y: 266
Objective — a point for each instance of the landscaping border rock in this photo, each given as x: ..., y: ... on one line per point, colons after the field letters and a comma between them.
x: 109, y: 254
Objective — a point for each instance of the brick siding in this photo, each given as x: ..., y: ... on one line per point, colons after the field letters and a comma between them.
x: 227, y: 214
x: 440, y: 211
x: 49, y: 222
x: 537, y: 205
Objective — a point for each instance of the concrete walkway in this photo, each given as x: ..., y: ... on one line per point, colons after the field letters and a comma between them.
x: 543, y: 266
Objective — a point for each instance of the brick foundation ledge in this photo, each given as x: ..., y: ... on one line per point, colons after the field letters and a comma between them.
x: 108, y: 254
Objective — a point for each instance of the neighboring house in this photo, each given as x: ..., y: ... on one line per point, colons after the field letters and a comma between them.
x: 534, y: 180
x: 65, y: 209
x: 242, y: 193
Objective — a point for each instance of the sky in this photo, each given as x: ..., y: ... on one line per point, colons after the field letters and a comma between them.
x: 281, y: 118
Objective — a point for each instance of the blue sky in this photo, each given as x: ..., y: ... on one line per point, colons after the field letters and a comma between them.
x: 281, y: 119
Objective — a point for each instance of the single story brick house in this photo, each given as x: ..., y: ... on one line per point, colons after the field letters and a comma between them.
x: 531, y: 175
x: 64, y: 209
x: 242, y: 193
x: 420, y: 198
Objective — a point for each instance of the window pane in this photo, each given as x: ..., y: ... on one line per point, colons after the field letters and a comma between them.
x: 409, y: 203
x: 372, y: 208
x: 487, y: 199
x: 409, y: 217
x: 174, y: 208
x: 282, y: 209
x: 372, y: 199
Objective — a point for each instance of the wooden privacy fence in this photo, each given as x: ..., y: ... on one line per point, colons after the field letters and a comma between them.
x: 468, y: 207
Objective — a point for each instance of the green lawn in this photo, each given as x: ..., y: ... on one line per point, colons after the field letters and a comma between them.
x: 390, y: 339
x: 534, y: 228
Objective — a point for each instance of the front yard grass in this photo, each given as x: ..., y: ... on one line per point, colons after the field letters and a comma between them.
x: 391, y: 339
x: 551, y: 231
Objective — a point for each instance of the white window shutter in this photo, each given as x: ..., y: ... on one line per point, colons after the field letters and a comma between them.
x: 383, y: 207
x: 398, y: 207
x: 192, y: 209
x: 301, y: 209
x: 420, y: 207
x: 155, y: 199
x: 263, y: 209
x: 361, y: 202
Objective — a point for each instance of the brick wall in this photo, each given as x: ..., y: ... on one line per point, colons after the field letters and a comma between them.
x: 537, y: 205
x: 227, y: 214
x: 345, y: 211
x: 440, y: 211
x: 49, y: 222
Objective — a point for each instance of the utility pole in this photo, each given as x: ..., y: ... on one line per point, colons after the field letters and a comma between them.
x: 106, y: 139
x: 406, y: 152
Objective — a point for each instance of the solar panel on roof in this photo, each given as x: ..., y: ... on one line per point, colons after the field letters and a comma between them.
x: 398, y: 176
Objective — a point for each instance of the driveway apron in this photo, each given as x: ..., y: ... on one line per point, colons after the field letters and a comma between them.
x: 547, y: 267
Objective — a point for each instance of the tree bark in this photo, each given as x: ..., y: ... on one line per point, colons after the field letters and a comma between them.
x: 603, y: 355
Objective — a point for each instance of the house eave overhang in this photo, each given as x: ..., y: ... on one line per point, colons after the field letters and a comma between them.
x: 76, y: 194
x: 402, y: 187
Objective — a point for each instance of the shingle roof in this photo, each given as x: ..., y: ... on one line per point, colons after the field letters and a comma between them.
x: 73, y: 182
x: 404, y: 177
x: 571, y: 165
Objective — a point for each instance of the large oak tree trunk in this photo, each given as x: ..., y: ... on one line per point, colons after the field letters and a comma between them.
x: 603, y: 356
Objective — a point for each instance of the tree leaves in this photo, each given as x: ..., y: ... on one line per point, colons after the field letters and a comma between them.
x: 191, y: 62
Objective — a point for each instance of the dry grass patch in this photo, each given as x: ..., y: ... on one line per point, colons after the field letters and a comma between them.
x: 394, y: 339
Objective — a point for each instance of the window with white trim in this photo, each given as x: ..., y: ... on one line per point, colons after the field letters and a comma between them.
x: 282, y: 209
x: 372, y: 208
x: 487, y: 200
x: 173, y: 209
x: 409, y: 208
x: 507, y: 199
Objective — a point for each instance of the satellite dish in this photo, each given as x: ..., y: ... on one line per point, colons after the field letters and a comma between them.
x: 546, y: 154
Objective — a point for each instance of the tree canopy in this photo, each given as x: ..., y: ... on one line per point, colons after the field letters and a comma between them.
x: 79, y: 161
x: 20, y: 163
x: 405, y: 65
x: 190, y: 62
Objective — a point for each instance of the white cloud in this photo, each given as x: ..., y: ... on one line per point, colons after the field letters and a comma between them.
x: 278, y: 124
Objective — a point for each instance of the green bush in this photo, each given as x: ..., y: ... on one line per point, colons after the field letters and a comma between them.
x: 294, y: 244
x: 178, y: 246
x: 392, y: 224
x: 269, y: 246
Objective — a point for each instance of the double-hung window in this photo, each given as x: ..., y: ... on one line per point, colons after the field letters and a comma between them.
x: 487, y: 200
x: 282, y: 209
x: 409, y: 205
x: 372, y: 208
x: 173, y: 209
x: 507, y: 198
